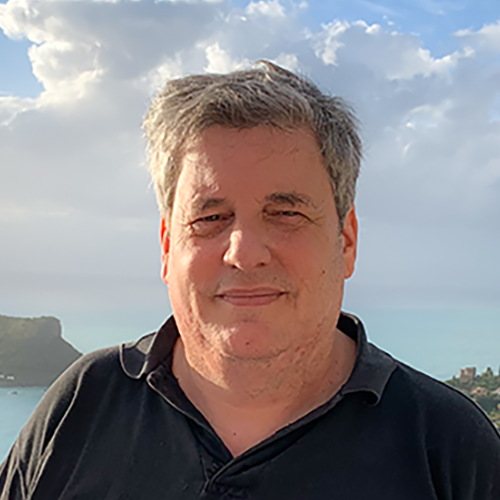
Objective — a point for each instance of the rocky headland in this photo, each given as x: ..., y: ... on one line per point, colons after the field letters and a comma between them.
x: 32, y: 351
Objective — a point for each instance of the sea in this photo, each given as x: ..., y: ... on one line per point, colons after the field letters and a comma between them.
x: 16, y: 406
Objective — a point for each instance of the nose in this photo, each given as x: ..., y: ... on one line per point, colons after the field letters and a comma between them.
x: 247, y: 249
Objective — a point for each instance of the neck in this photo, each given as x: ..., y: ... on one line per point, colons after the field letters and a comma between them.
x: 248, y: 401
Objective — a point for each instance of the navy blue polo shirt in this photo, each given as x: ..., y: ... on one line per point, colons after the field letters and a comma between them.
x: 117, y: 425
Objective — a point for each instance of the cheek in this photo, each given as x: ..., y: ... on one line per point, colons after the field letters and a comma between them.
x: 321, y: 273
x: 314, y: 258
x: 194, y: 269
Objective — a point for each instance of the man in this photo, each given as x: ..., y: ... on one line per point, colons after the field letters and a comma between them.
x: 258, y: 387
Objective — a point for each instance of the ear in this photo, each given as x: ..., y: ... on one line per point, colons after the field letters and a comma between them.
x: 350, y: 242
x: 165, y: 247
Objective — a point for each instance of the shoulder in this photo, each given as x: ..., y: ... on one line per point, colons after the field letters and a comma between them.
x: 74, y: 395
x: 460, y: 443
x: 436, y: 400
x: 452, y: 426
x: 85, y: 378
x: 88, y: 373
x: 432, y: 411
x: 100, y: 373
x: 96, y: 363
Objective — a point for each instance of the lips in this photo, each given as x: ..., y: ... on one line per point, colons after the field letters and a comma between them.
x: 250, y: 297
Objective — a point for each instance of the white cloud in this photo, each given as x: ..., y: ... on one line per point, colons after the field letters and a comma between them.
x: 329, y: 41
x: 488, y: 36
x: 10, y: 106
x: 272, y: 8
x: 288, y: 61
x: 219, y: 60
x: 76, y: 41
x: 392, y: 55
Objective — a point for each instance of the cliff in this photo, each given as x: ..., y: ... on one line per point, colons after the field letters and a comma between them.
x: 32, y: 351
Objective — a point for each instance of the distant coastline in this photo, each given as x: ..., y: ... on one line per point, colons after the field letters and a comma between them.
x: 32, y: 351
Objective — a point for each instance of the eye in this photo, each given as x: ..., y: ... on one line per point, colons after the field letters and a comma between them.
x: 284, y: 213
x: 289, y: 213
x: 286, y: 219
x: 210, y: 225
x: 209, y: 218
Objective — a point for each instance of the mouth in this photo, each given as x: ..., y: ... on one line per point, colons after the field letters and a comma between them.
x: 250, y: 297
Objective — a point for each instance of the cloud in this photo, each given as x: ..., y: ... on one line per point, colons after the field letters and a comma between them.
x: 77, y: 43
x: 487, y: 37
x: 75, y: 196
x: 272, y: 8
x: 219, y: 61
x: 388, y: 55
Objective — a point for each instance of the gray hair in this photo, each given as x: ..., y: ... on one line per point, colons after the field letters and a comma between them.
x: 266, y: 95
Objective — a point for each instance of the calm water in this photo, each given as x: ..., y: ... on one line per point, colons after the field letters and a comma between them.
x: 16, y: 406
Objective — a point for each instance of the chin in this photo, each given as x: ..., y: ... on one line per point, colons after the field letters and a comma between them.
x: 251, y: 340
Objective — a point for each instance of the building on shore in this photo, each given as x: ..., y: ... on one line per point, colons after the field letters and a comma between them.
x: 467, y: 374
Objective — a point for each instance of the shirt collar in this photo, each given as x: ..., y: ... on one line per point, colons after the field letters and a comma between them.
x: 141, y: 357
x: 373, y: 367
x: 371, y: 372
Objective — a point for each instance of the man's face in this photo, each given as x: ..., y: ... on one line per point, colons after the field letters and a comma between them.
x: 253, y: 257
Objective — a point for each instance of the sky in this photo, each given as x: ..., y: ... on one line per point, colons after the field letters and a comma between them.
x: 78, y: 219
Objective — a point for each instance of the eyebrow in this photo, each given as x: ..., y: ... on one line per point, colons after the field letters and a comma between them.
x: 292, y: 198
x: 289, y: 198
x: 201, y: 204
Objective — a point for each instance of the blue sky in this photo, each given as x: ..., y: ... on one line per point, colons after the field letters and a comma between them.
x: 78, y: 215
x: 17, y: 77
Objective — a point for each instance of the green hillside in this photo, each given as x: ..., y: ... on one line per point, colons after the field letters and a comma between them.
x: 32, y: 351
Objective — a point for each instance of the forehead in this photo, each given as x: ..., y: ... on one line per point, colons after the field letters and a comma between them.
x: 219, y: 143
x: 260, y: 157
x: 223, y: 137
